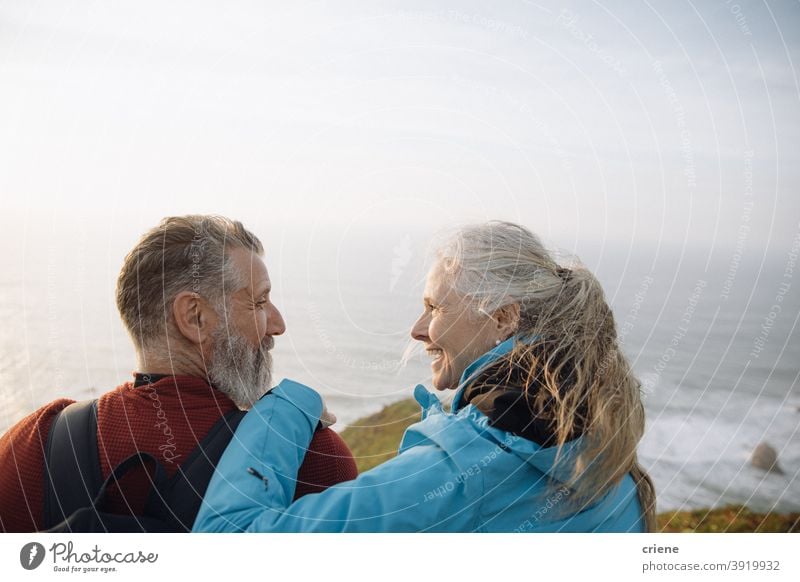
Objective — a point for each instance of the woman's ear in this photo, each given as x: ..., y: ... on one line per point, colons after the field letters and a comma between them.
x: 507, y: 318
x: 194, y: 318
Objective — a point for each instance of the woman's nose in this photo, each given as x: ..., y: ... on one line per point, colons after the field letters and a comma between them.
x: 420, y: 329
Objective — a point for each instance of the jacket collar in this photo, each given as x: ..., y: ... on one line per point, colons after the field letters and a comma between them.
x: 478, y: 366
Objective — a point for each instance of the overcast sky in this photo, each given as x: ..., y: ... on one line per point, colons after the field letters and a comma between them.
x: 676, y: 122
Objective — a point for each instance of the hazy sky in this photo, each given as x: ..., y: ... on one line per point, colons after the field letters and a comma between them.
x: 644, y: 121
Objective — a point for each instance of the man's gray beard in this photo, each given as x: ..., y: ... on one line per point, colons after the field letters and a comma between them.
x: 242, y: 372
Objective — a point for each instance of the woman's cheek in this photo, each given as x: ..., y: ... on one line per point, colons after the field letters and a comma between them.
x: 433, y: 331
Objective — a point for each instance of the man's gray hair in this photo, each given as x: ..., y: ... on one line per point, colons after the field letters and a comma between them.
x: 182, y: 253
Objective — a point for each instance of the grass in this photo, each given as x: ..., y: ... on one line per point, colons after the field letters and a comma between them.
x: 731, y: 519
x: 374, y: 439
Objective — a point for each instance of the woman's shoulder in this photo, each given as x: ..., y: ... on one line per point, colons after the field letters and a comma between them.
x: 462, y: 436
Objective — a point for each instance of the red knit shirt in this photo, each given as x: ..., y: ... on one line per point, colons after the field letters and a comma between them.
x: 166, y: 419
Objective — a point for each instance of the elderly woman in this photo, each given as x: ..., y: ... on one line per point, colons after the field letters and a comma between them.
x: 542, y: 432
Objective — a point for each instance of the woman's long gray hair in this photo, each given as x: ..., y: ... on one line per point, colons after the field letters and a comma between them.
x: 496, y: 264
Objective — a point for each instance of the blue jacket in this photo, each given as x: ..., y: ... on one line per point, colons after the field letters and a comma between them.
x: 453, y: 473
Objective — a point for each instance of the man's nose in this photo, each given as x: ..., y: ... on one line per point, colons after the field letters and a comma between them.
x: 420, y: 329
x: 275, y: 323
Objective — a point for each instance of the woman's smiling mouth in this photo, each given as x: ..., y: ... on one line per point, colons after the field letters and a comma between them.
x: 435, y: 353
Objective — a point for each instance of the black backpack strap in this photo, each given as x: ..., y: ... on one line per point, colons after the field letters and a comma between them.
x: 72, y: 475
x: 74, y: 481
x: 93, y: 518
x: 154, y: 507
x: 188, y: 486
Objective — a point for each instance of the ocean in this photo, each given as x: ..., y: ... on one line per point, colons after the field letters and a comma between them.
x: 712, y: 335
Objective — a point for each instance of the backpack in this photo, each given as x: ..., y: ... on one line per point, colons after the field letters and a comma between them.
x: 75, y: 492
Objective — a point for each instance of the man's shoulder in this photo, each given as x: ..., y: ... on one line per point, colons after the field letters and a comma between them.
x: 328, y: 461
x: 38, y: 421
x: 327, y: 442
x: 21, y: 458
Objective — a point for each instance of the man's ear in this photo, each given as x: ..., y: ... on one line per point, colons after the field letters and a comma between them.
x: 194, y: 318
x: 507, y: 318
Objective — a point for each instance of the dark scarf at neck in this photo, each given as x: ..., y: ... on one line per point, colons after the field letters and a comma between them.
x: 499, y: 393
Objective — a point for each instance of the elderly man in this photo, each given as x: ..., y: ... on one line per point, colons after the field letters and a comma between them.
x: 194, y: 294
